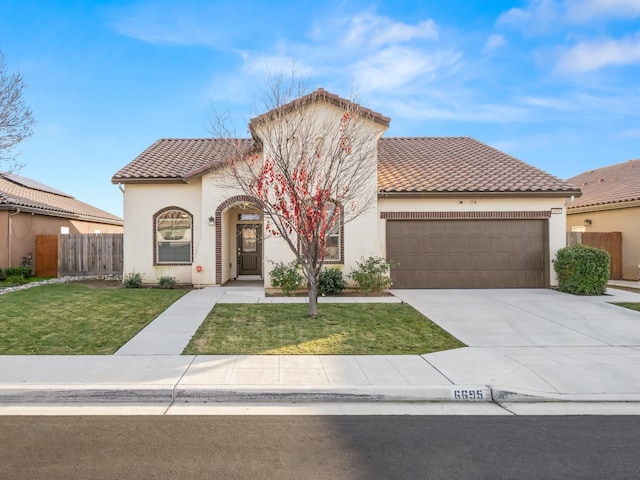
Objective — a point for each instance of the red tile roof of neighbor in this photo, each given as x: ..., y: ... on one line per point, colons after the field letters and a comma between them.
x: 31, y: 196
x: 608, y: 185
x: 411, y: 165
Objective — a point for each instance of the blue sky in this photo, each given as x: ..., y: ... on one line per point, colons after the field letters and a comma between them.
x: 555, y: 83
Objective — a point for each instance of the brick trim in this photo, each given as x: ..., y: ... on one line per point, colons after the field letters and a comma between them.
x: 155, y: 236
x: 518, y: 215
x: 221, y: 208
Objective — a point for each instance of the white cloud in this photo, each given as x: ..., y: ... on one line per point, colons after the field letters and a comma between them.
x: 397, y: 66
x: 538, y: 16
x: 593, y: 55
x: 585, y: 10
x: 551, y: 103
x: 630, y: 133
x: 167, y: 24
x: 493, y: 43
x: 430, y: 108
x: 544, y: 15
x: 367, y: 29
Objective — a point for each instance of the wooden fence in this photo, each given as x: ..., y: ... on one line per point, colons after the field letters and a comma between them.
x: 84, y: 254
x: 609, y: 241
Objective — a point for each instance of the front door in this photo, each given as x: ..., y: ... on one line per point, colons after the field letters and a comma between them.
x: 249, y: 245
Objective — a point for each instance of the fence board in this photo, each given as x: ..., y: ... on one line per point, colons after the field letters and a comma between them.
x: 609, y: 241
x: 91, y: 254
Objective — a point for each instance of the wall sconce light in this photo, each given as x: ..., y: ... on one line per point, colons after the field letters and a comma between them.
x: 212, y: 221
x: 587, y: 221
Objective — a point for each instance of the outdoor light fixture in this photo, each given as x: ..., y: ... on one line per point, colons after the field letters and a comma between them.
x: 212, y: 221
x: 587, y: 221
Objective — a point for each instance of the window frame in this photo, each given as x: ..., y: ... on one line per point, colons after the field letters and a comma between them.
x: 156, y: 240
x: 340, y: 234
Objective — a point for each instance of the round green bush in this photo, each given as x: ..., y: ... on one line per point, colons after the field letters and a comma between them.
x: 331, y: 282
x: 582, y: 270
x: 286, y: 276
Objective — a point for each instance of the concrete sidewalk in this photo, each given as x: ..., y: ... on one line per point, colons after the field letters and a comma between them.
x: 526, y: 345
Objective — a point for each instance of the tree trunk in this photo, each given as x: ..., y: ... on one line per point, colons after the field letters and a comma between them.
x: 313, y: 298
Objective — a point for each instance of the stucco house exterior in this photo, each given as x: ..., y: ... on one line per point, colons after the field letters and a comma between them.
x: 450, y: 212
x: 29, y: 208
x: 610, y: 202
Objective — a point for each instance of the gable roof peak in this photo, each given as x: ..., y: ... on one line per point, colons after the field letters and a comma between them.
x: 320, y: 95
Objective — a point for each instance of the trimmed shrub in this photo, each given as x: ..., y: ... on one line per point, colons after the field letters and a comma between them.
x: 287, y: 277
x: 331, y: 282
x: 167, y: 282
x: 582, y: 270
x: 372, y: 274
x: 24, y: 272
x: 15, y: 281
x: 133, y: 280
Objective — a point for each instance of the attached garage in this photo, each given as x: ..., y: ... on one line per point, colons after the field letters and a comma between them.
x: 468, y: 253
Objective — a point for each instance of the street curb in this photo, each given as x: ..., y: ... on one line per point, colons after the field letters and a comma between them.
x: 322, y: 393
x: 85, y: 393
x: 226, y: 393
x: 522, y: 396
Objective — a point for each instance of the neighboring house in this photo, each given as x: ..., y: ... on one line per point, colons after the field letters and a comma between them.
x: 610, y: 202
x: 29, y: 208
x: 450, y: 213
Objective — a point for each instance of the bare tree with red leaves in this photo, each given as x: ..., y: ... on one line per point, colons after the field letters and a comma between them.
x: 313, y: 168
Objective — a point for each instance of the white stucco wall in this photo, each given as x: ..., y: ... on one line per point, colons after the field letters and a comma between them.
x: 557, y: 221
x: 141, y: 202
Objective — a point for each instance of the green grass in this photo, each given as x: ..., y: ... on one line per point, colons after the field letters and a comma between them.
x: 630, y: 305
x: 340, y: 329
x: 73, y: 319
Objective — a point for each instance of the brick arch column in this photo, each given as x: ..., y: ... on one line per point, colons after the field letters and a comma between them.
x: 221, y: 208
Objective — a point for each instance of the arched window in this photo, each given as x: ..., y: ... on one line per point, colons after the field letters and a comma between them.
x: 173, y: 236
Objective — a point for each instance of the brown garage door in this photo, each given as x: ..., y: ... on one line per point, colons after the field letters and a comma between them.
x: 467, y: 253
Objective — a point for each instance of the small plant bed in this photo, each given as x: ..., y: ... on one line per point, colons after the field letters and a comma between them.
x: 17, y: 281
x: 344, y: 293
x: 345, y: 329
x: 75, y: 319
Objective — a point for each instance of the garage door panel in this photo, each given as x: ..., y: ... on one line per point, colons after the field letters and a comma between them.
x: 467, y: 253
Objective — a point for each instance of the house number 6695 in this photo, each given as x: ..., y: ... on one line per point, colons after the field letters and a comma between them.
x: 464, y: 394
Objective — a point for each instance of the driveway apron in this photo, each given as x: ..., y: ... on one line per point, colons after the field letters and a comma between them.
x: 536, y: 340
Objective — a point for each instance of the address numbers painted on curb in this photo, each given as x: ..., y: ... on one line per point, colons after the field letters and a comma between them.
x: 466, y: 394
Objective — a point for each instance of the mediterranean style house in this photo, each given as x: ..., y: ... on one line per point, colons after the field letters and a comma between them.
x: 29, y: 208
x: 450, y: 212
x: 610, y: 202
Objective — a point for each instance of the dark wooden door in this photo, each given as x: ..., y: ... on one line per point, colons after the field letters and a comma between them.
x: 46, y: 255
x: 249, y: 245
x: 468, y: 253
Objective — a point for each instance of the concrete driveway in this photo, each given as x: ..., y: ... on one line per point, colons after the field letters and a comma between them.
x: 538, y: 340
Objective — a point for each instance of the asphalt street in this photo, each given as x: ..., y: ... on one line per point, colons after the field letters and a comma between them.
x: 314, y: 447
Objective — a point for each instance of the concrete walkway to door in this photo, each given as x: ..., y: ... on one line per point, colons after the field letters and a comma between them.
x: 538, y: 341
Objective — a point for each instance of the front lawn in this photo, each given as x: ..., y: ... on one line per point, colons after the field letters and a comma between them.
x: 340, y: 329
x: 74, y: 319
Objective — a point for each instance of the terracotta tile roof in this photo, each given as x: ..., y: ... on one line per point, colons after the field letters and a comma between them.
x: 176, y: 159
x: 29, y: 195
x: 458, y: 164
x: 425, y: 165
x: 613, y: 184
x: 322, y: 95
